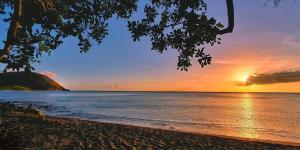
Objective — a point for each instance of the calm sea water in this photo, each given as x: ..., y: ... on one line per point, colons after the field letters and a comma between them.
x: 249, y: 115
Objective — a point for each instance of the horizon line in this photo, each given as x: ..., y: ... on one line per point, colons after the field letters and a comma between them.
x: 179, y: 91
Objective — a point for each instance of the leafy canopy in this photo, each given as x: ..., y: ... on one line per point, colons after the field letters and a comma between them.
x: 45, y: 23
x: 181, y: 25
x: 37, y: 26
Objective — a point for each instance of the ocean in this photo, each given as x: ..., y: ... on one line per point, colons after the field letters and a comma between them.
x: 265, y: 116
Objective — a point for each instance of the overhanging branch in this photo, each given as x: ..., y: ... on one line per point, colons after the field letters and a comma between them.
x: 230, y: 16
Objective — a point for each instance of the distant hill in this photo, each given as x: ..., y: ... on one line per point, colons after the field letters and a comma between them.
x: 28, y: 81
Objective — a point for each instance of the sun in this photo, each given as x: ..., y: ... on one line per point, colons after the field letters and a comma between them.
x: 244, y: 78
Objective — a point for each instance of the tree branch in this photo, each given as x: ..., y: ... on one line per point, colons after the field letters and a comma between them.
x: 12, y: 30
x: 230, y: 15
x: 46, y: 4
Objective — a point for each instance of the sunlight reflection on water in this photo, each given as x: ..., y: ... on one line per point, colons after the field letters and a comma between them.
x: 246, y: 117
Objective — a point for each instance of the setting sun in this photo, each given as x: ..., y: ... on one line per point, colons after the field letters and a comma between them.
x: 244, y: 78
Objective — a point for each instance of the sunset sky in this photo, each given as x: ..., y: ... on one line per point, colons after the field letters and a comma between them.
x: 266, y: 40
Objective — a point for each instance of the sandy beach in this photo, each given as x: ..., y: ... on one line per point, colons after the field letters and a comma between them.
x: 27, y: 128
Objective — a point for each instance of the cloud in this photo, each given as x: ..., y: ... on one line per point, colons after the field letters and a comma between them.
x: 279, y: 77
x: 50, y: 74
x: 112, y: 86
x: 291, y: 41
x: 225, y: 61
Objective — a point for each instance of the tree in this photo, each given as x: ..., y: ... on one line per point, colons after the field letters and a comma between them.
x: 181, y: 25
x: 37, y: 26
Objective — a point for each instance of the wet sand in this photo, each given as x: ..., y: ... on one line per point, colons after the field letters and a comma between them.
x: 27, y: 128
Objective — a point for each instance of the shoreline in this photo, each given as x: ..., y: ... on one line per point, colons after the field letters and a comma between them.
x: 35, y: 128
x: 187, y: 132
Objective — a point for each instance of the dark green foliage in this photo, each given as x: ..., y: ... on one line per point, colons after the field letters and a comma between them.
x: 27, y: 81
x: 181, y: 25
x: 44, y: 25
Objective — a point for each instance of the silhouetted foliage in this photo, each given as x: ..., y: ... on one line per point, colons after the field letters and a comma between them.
x: 181, y: 25
x: 274, y: 2
x: 37, y: 26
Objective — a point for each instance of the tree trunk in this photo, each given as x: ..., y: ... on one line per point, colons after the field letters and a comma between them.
x: 13, y: 30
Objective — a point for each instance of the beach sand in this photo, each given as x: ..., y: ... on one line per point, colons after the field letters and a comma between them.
x: 27, y: 128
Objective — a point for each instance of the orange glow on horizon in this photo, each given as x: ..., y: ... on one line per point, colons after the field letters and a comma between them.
x: 219, y: 77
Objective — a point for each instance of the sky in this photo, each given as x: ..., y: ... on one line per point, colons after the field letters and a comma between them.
x: 261, y: 55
